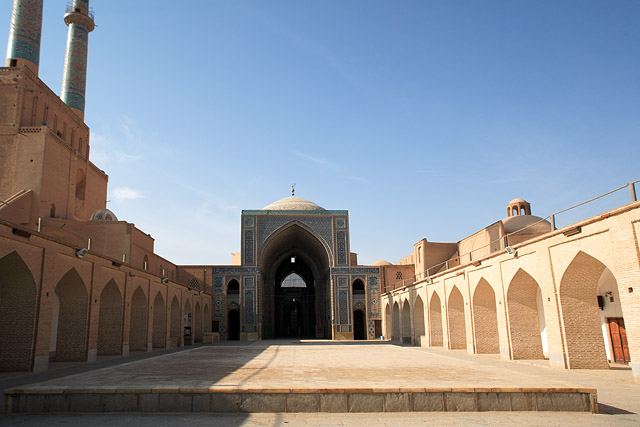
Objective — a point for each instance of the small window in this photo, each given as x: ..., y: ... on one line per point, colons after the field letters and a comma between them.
x: 398, y: 275
x: 145, y: 263
x: 13, y: 63
x: 293, y: 280
x: 358, y: 287
x: 233, y: 288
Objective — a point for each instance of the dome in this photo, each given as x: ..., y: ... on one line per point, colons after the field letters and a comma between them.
x: 517, y: 200
x: 381, y: 262
x: 530, y: 223
x: 102, y: 215
x: 292, y: 203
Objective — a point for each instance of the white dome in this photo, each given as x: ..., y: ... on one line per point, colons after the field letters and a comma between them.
x: 102, y: 215
x: 292, y: 203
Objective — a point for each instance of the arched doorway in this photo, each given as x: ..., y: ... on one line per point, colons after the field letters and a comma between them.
x: 17, y: 311
x: 580, y: 313
x: 234, y: 325
x: 110, y: 320
x: 358, y: 325
x: 158, y: 338
x: 395, y: 323
x: 418, y: 321
x: 71, y: 330
x: 406, y: 322
x: 197, y: 324
x: 457, y: 328
x: 485, y: 319
x: 526, y: 317
x: 296, y: 280
x: 138, y: 321
x: 435, y: 321
x: 175, y: 329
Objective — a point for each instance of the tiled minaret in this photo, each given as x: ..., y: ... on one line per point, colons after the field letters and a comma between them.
x: 24, y: 34
x: 80, y: 22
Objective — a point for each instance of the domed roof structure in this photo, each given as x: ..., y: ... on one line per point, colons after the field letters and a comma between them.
x: 517, y: 200
x: 381, y: 262
x: 526, y: 223
x: 293, y: 203
x: 102, y: 215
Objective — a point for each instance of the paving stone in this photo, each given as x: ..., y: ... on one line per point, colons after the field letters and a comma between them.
x: 361, y: 402
x: 493, y: 401
x: 303, y: 402
x: 261, y: 402
x: 523, y: 401
x: 148, y: 402
x: 174, y: 402
x: 334, y: 402
x: 56, y: 403
x: 226, y: 402
x: 569, y: 402
x: 460, y: 402
x: 201, y: 402
x: 397, y: 402
x: 428, y: 402
x: 114, y: 402
x: 85, y: 402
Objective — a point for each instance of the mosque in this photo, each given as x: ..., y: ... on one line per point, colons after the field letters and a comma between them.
x: 77, y: 283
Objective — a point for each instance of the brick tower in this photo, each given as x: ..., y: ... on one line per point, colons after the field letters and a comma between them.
x: 79, y: 19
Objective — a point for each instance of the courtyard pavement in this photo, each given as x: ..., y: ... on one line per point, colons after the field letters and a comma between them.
x: 330, y: 364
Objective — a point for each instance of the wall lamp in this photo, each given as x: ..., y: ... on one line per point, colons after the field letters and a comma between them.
x: 80, y: 253
x: 511, y: 251
x: 165, y: 280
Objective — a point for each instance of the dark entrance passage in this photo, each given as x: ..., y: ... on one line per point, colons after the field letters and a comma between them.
x: 296, y: 280
x: 294, y: 300
x: 358, y: 325
x: 234, y: 325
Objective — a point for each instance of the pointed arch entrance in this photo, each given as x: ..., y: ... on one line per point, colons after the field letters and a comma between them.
x: 71, y: 330
x: 296, y: 278
x: 485, y: 319
x: 110, y: 320
x: 138, y: 321
x: 435, y: 321
x: 457, y: 327
x: 158, y: 338
x: 526, y: 318
x: 580, y: 313
x: 17, y: 311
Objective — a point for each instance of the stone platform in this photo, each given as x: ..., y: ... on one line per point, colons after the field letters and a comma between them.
x: 307, y: 376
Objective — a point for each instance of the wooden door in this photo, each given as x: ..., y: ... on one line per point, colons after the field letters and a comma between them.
x: 618, y: 335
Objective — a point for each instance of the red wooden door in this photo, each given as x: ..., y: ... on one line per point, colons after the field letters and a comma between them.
x: 619, y: 342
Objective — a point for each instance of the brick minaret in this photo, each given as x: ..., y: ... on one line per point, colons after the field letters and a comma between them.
x: 24, y: 34
x: 80, y: 22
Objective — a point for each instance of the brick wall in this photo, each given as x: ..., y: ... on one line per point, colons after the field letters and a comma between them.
x: 457, y: 329
x: 138, y: 321
x: 523, y: 317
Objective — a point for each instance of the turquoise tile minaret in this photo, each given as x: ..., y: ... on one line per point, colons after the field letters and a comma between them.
x: 80, y: 21
x: 24, y: 34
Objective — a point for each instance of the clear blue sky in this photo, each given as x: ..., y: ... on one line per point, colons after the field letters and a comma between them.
x: 422, y: 118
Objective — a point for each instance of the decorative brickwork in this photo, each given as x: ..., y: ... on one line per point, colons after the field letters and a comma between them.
x: 435, y: 321
x: 159, y: 339
x: 17, y: 311
x: 138, y: 321
x: 71, y: 344
x: 457, y: 329
x: 110, y: 321
x: 578, y: 290
x: 485, y: 320
x: 524, y: 323
x: 418, y: 319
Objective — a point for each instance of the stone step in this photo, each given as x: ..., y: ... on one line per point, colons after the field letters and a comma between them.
x: 42, y: 399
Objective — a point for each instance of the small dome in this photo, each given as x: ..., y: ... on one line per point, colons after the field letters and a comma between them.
x: 102, y: 215
x: 293, y: 203
x: 517, y: 200
x: 530, y: 224
x: 381, y: 262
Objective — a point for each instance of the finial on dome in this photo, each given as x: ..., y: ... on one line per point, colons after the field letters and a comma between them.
x: 293, y: 190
